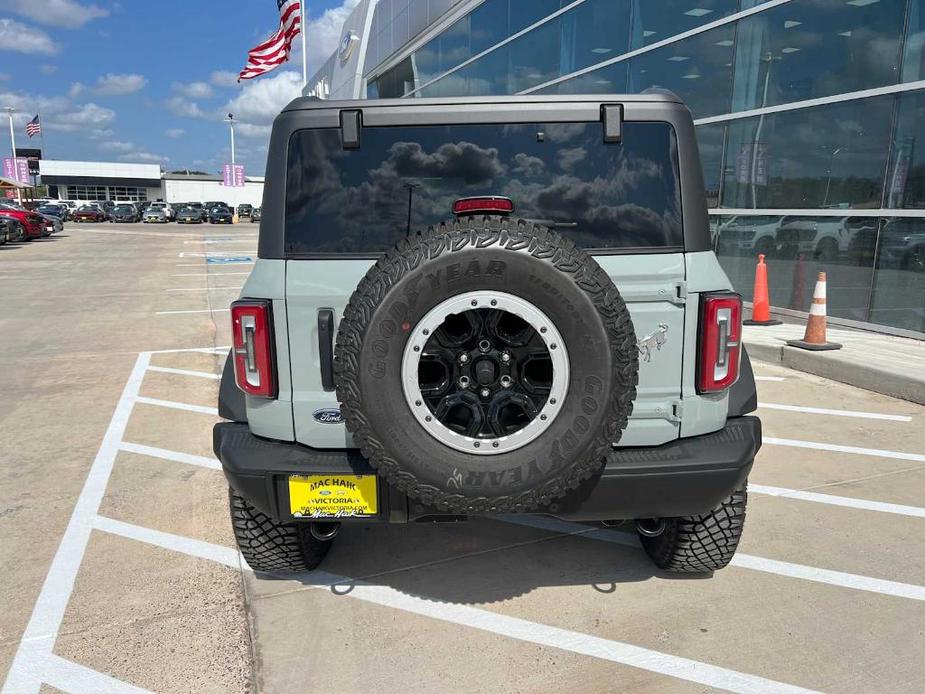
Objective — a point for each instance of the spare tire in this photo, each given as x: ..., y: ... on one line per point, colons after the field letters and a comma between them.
x: 487, y: 365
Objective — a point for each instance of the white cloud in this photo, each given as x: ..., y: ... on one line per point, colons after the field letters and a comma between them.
x: 119, y: 85
x: 86, y: 117
x: 193, y: 90
x: 76, y: 90
x: 24, y: 39
x: 324, y: 35
x: 224, y: 78
x: 251, y: 130
x: 48, y: 69
x: 146, y: 157
x: 118, y: 146
x: 174, y: 133
x: 62, y: 13
x: 187, y: 109
x: 27, y: 105
x: 262, y: 100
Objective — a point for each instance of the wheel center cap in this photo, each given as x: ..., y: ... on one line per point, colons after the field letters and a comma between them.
x: 485, y: 372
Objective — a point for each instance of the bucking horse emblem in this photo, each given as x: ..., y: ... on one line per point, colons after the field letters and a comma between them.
x: 653, y: 341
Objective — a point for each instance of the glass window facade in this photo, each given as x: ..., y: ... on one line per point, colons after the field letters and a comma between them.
x: 106, y: 193
x: 782, y: 121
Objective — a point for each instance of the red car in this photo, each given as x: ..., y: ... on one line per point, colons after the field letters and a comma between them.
x: 88, y: 213
x: 33, y: 225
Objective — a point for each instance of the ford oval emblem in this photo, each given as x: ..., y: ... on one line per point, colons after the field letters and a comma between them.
x: 328, y: 416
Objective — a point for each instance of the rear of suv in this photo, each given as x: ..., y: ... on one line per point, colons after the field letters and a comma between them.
x: 486, y: 307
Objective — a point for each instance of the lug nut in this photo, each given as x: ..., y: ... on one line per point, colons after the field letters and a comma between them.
x: 463, y: 381
x: 485, y: 392
x: 463, y: 358
x: 505, y: 357
x: 506, y: 381
x: 485, y: 346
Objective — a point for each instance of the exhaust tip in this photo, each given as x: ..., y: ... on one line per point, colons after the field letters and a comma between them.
x: 324, y: 532
x: 650, y: 527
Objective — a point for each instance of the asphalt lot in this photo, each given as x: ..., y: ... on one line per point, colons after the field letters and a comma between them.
x: 120, y: 571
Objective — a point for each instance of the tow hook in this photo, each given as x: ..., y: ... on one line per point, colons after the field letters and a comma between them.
x: 324, y: 531
x: 650, y: 527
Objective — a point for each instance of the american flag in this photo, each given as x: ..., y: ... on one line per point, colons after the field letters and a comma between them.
x: 273, y: 52
x: 33, y: 127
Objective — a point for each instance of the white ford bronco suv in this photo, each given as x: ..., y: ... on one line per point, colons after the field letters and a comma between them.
x: 477, y: 307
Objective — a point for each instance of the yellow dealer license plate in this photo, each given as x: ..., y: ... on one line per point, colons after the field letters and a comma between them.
x: 333, y: 496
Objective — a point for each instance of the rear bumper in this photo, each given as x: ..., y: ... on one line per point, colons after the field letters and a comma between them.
x: 681, y: 478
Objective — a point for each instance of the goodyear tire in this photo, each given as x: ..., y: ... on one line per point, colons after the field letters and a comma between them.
x: 487, y: 365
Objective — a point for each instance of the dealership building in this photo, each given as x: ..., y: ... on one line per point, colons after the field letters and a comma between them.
x: 808, y: 115
x: 117, y: 181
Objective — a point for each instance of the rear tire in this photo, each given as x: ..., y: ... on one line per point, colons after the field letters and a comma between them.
x: 270, y: 546
x: 702, y: 543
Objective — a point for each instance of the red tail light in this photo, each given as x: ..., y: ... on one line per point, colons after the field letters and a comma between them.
x: 483, y: 205
x: 252, y: 335
x: 720, y: 341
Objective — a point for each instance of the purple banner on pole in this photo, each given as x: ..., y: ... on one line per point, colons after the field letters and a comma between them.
x: 227, y: 175
x: 239, y: 175
x: 16, y: 169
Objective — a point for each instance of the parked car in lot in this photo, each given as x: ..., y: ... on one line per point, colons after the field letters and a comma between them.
x: 89, y: 213
x: 245, y: 211
x: 52, y: 224
x: 58, y: 210
x: 125, y: 213
x: 220, y: 215
x: 489, y: 361
x: 169, y: 212
x: 154, y: 215
x: 255, y: 215
x: 189, y: 215
x: 203, y: 211
x: 10, y: 230
x: 33, y: 226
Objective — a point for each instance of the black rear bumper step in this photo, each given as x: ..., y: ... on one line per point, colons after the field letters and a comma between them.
x: 684, y: 477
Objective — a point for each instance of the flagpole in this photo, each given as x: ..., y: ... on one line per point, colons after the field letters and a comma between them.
x: 303, y: 30
x: 41, y: 135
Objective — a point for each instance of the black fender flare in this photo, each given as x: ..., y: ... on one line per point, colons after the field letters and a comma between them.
x: 231, y: 401
x: 743, y: 396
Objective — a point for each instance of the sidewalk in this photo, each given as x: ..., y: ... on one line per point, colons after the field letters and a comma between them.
x: 893, y: 366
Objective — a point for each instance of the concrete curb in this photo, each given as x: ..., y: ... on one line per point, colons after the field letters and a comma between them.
x: 830, y: 365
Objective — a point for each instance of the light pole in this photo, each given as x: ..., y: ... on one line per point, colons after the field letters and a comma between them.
x: 230, y: 121
x: 410, y: 187
x: 769, y: 59
x: 9, y: 111
x: 828, y: 183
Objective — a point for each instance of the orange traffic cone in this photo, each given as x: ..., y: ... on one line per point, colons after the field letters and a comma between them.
x: 815, y: 339
x: 761, y: 304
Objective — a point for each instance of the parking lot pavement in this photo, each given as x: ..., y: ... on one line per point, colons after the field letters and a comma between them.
x: 112, y: 501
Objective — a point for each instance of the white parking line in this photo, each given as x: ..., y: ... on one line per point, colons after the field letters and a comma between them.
x: 176, y: 405
x: 203, y: 289
x: 175, y: 543
x: 69, y: 676
x: 38, y: 640
x: 745, y: 561
x: 251, y: 241
x: 211, y: 274
x: 174, y: 456
x: 831, y: 499
x: 186, y: 372
x: 835, y: 448
x: 776, y: 379
x: 205, y: 265
x: 206, y: 310
x: 483, y: 620
x: 201, y: 350
x: 835, y: 413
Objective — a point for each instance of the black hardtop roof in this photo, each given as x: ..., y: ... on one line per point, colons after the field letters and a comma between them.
x: 652, y: 96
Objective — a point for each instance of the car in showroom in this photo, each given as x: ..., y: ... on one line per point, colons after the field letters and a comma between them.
x: 32, y: 223
x: 498, y: 345
x: 124, y: 213
x: 90, y: 213
x: 189, y: 215
x: 220, y: 215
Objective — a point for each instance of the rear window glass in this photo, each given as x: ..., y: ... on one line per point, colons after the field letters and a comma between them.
x: 602, y: 196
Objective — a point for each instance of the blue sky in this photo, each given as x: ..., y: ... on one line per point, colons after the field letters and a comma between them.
x: 149, y: 82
